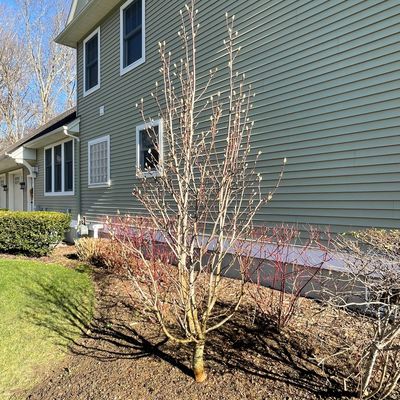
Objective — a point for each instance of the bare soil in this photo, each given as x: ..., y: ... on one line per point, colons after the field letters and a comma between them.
x: 123, y: 356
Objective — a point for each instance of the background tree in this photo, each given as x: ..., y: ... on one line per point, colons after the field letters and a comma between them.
x: 16, y: 109
x: 37, y: 76
x: 201, y: 198
x: 52, y: 83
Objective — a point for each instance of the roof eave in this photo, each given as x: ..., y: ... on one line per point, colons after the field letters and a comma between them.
x: 83, y: 23
x: 66, y: 117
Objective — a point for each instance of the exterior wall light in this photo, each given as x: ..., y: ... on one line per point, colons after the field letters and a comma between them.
x: 5, y: 188
x: 22, y: 185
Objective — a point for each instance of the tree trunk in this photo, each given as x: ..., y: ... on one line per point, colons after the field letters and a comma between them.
x: 198, y: 363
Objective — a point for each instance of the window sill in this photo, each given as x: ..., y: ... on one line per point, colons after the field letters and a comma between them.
x: 99, y: 185
x: 59, y: 194
x: 90, y: 91
x: 131, y: 67
x: 147, y: 175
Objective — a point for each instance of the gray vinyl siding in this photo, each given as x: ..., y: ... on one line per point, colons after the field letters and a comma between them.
x: 326, y: 75
x: 67, y: 203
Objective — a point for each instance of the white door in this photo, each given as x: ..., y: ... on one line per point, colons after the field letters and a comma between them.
x: 3, y: 194
x: 15, y: 192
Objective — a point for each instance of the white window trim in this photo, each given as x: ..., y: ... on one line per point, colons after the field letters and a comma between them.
x: 91, y: 143
x: 124, y: 70
x: 159, y: 172
x: 63, y: 192
x: 94, y: 88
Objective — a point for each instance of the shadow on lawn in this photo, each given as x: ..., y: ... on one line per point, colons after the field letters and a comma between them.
x: 238, y: 345
x: 106, y: 336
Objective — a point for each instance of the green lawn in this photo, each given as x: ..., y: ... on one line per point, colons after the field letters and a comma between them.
x: 42, y: 308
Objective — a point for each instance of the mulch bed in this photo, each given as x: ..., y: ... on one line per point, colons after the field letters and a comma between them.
x: 123, y: 356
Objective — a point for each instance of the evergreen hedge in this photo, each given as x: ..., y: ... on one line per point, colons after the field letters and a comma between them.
x: 32, y: 233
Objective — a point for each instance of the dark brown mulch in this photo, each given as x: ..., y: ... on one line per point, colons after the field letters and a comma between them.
x: 122, y: 356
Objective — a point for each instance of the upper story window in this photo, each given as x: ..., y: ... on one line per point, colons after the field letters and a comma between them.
x: 99, y: 162
x: 59, y: 169
x: 91, y: 62
x: 149, y: 149
x: 132, y: 20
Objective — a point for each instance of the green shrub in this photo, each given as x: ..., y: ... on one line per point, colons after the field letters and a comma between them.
x: 32, y: 233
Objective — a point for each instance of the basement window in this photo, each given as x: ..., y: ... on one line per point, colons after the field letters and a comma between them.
x: 149, y: 149
x: 132, y: 35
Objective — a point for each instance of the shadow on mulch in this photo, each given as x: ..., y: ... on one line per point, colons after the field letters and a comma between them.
x: 258, y: 351
x: 72, y: 256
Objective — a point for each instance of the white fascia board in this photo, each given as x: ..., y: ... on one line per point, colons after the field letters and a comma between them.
x: 22, y: 153
x: 86, y: 20
x: 72, y: 11
x: 47, y: 139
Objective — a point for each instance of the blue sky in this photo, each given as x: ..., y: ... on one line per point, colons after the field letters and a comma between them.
x: 8, y: 3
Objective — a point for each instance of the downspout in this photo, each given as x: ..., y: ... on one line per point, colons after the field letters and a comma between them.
x: 77, y: 183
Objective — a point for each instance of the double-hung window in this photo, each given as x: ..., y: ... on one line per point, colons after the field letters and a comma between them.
x: 149, y: 149
x: 99, y: 162
x: 91, y: 62
x: 59, y: 169
x: 132, y: 35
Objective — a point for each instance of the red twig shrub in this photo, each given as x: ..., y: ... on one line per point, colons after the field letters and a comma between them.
x: 136, y: 249
x: 293, y: 261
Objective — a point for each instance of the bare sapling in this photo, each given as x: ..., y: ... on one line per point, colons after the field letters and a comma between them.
x: 201, y: 190
x: 371, y: 288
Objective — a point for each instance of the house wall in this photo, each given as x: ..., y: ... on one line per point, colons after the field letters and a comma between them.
x: 328, y: 88
x: 65, y: 203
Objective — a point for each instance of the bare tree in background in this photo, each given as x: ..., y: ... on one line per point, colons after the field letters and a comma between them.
x: 16, y: 109
x: 201, y: 198
x: 37, y: 76
x: 50, y: 63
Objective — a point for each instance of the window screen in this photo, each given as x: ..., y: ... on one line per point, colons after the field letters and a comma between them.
x: 57, y: 168
x: 68, y: 167
x: 92, y: 62
x: 148, y: 151
x: 132, y: 33
x: 49, y: 170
